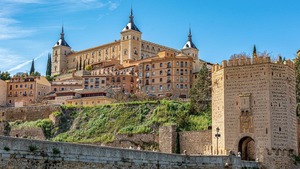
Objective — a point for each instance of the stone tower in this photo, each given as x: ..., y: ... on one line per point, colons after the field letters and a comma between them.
x: 131, y: 41
x: 254, y: 108
x: 59, y: 55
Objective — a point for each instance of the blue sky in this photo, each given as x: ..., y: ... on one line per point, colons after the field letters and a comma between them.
x: 30, y: 28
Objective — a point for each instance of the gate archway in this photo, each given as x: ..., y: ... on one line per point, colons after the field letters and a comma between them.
x: 247, y: 148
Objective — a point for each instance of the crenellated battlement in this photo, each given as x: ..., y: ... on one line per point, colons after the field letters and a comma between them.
x: 249, y: 61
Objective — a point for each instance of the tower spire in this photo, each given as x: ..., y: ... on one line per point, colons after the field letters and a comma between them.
x: 130, y: 25
x: 189, y: 43
x: 62, y: 34
x: 190, y: 34
x: 131, y: 15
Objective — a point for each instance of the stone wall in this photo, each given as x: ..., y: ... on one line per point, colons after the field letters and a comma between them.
x: 167, y: 139
x: 31, y: 133
x: 30, y: 113
x: 195, y: 142
x: 25, y: 153
x: 136, y: 141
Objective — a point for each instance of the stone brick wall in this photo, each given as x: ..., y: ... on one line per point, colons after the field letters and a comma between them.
x: 30, y: 113
x: 31, y: 133
x: 16, y: 153
x: 195, y: 142
x: 136, y: 141
x: 167, y: 139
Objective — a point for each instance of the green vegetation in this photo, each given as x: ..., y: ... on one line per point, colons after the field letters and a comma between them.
x: 32, y: 148
x: 55, y: 151
x: 102, y: 123
x: 6, y: 148
x: 45, y: 124
x: 200, y: 93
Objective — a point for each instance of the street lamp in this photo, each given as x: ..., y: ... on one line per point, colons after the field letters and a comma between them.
x: 217, y: 136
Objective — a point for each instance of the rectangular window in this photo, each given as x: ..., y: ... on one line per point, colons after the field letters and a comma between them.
x: 160, y: 87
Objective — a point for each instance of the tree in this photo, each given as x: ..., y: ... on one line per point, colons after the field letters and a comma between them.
x: 88, y: 68
x: 240, y: 56
x: 4, y: 75
x: 32, y: 67
x: 200, y: 93
x: 49, y: 64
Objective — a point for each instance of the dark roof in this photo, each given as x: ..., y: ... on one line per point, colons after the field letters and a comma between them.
x: 189, y: 43
x: 61, y: 41
x: 130, y: 25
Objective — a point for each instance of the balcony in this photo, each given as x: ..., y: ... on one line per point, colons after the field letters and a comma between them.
x: 168, y: 74
x: 147, y: 69
x: 147, y: 76
x: 168, y: 66
x: 15, y: 95
x: 168, y: 81
x: 147, y: 83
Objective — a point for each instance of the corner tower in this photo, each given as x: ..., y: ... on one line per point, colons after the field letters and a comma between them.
x: 189, y: 47
x: 59, y: 55
x: 130, y: 41
x: 254, y: 110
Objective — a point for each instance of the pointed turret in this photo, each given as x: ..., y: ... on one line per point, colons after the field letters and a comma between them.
x: 130, y: 25
x: 189, y: 43
x: 61, y: 41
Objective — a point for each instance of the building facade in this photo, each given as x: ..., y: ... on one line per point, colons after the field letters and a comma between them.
x: 127, y: 64
x: 253, y: 110
x: 3, y: 91
x: 23, y: 91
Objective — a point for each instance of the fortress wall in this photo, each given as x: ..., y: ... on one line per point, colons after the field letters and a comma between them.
x: 30, y: 113
x: 16, y: 153
x: 195, y: 142
x: 135, y: 141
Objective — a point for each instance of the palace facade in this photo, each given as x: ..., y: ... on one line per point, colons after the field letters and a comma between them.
x: 130, y: 64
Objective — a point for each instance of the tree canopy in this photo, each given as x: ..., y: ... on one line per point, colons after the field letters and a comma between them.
x: 4, y: 75
x: 200, y: 93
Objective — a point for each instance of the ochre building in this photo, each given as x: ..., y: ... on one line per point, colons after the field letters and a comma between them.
x: 131, y: 64
x: 23, y: 91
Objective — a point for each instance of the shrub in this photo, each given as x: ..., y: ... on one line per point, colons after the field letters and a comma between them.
x: 6, y: 148
x: 32, y: 148
x: 55, y: 151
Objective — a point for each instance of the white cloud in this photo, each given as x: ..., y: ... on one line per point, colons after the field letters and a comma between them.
x: 9, y: 27
x: 9, y: 59
x: 19, y: 65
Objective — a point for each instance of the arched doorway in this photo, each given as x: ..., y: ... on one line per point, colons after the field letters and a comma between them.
x: 247, y: 148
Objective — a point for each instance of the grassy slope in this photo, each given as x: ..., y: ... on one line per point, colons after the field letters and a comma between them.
x: 102, y: 123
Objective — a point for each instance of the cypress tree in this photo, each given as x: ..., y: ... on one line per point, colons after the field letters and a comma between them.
x: 32, y: 68
x: 254, y: 52
x: 49, y: 65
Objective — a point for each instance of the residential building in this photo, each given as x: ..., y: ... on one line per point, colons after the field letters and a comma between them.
x: 23, y: 91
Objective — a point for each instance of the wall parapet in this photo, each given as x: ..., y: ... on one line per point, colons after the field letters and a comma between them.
x: 249, y: 61
x: 78, y: 155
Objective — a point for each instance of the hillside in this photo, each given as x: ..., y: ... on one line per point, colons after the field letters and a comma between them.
x: 101, y: 123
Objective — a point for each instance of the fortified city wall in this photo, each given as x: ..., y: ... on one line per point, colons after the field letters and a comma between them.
x: 25, y: 153
x: 29, y: 113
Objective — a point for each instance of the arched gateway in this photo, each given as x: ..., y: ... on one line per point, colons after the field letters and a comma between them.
x: 247, y: 148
